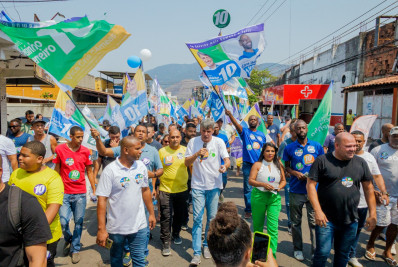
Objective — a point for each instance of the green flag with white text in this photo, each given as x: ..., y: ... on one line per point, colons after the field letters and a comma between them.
x: 318, y: 128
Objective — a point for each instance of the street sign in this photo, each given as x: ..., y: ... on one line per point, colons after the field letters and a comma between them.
x: 221, y: 18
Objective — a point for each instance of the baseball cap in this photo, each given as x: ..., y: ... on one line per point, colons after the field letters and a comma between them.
x: 394, y: 130
x: 106, y: 123
x: 38, y: 120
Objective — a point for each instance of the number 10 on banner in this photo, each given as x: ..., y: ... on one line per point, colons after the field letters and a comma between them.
x: 221, y: 18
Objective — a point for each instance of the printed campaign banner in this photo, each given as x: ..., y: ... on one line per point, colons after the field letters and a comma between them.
x: 110, y: 107
x: 69, y: 49
x: 233, y: 55
x: 216, y: 106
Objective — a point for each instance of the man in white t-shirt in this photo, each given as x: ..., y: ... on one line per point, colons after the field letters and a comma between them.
x: 204, y: 153
x: 363, y: 206
x: 386, y: 156
x: 8, y: 154
x: 124, y: 186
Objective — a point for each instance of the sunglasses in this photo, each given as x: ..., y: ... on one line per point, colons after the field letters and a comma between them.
x: 16, y: 126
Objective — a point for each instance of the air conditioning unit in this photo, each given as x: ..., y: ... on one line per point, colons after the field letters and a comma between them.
x: 348, y: 78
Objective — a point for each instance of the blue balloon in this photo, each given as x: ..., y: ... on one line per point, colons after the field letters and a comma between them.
x: 134, y: 61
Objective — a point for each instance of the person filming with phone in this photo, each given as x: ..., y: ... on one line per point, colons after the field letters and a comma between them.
x: 339, y: 176
x: 124, y: 188
x: 267, y: 176
x: 230, y: 240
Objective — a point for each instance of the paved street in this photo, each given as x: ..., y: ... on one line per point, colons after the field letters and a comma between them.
x: 94, y: 255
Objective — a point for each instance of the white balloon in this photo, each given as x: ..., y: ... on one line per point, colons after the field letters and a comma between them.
x: 145, y: 54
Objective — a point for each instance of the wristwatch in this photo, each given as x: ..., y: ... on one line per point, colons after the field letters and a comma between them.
x: 385, y: 193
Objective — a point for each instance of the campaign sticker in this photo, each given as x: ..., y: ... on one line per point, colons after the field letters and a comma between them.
x: 347, y: 181
x: 168, y: 160
x: 125, y: 182
x: 139, y: 178
x: 384, y: 155
x: 146, y: 161
x: 69, y: 161
x: 39, y: 189
x: 256, y: 145
x: 252, y: 137
x: 309, y: 159
x: 273, y: 131
x: 298, y: 152
x: 311, y: 149
x: 180, y: 156
x: 212, y: 154
x: 249, y: 147
x: 271, y: 179
x: 299, y: 166
x: 55, y: 156
x: 260, y: 138
x: 74, y: 175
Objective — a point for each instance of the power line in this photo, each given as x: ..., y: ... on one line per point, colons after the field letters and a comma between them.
x: 258, y: 20
x: 310, y: 46
x: 257, y: 12
x: 274, y: 11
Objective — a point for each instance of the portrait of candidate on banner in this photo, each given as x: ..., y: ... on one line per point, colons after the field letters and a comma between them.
x: 233, y: 55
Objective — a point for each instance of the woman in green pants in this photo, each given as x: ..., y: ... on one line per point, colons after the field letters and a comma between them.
x: 267, y: 178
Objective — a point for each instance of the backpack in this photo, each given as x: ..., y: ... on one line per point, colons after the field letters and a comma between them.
x: 14, y: 215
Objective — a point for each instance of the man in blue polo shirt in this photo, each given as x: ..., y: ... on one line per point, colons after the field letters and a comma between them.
x: 253, y: 141
x: 149, y: 156
x: 222, y: 136
x: 273, y: 130
x: 298, y: 157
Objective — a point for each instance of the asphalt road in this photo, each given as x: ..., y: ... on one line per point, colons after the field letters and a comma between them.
x: 93, y: 255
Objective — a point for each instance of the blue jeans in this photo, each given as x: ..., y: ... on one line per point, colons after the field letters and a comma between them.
x: 362, y: 212
x: 148, y: 235
x: 200, y: 200
x: 344, y: 237
x: 73, y: 204
x: 287, y: 202
x: 247, y: 189
x: 136, y: 244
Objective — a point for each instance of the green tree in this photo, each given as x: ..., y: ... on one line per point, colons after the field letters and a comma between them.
x: 259, y: 80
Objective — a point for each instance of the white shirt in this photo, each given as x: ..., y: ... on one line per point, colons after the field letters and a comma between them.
x: 122, y: 186
x: 229, y: 130
x: 374, y: 170
x: 205, y: 174
x: 7, y: 148
x: 271, y: 177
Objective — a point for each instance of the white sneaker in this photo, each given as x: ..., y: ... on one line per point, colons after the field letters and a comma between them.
x: 354, y: 262
x: 298, y: 255
x: 393, y: 250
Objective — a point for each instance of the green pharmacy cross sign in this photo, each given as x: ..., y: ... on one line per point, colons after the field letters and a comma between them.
x: 221, y: 18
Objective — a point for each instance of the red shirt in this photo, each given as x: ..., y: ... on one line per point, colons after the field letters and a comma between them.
x: 73, y: 166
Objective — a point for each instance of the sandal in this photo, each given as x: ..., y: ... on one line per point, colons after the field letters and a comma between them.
x: 389, y: 261
x: 370, y: 256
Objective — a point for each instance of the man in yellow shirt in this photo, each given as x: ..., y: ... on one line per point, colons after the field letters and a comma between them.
x: 349, y: 119
x: 46, y: 185
x: 173, y: 191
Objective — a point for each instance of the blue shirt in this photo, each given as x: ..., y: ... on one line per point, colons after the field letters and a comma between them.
x: 225, y: 139
x: 273, y: 132
x: 301, y: 159
x: 19, y: 141
x: 149, y: 156
x: 252, y: 144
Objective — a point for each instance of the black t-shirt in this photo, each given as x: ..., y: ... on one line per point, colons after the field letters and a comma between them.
x: 35, y: 228
x: 375, y: 143
x: 338, y: 186
x: 106, y: 160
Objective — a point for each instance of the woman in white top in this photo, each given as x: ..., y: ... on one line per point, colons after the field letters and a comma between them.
x: 267, y: 176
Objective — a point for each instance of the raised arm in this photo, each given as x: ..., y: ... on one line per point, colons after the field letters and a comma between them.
x: 237, y: 125
x: 102, y: 150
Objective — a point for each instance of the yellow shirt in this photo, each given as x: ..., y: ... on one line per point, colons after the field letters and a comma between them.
x: 175, y: 174
x: 47, y: 187
x: 349, y: 119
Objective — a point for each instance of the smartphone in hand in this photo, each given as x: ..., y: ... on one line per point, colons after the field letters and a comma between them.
x: 260, y: 247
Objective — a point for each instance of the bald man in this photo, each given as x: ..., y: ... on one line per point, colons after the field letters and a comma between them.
x: 124, y: 187
x: 339, y: 176
x: 173, y: 191
x: 385, y: 133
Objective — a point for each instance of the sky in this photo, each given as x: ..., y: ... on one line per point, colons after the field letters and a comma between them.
x: 164, y: 27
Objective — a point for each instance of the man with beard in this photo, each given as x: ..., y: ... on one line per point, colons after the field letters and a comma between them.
x: 298, y: 157
x: 387, y: 216
x: 47, y: 140
x: 253, y: 141
x: 333, y: 188
x: 30, y: 117
x: 385, y: 133
x: 17, y: 135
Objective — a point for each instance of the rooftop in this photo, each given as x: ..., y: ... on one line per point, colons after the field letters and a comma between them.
x: 378, y: 84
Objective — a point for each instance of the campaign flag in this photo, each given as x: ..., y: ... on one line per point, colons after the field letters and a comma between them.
x: 363, y: 124
x: 110, y: 107
x: 205, y: 81
x: 88, y: 140
x: 165, y: 103
x: 69, y: 49
x: 318, y: 128
x: 293, y: 112
x: 134, y: 104
x: 194, y: 112
x: 173, y: 113
x: 186, y: 105
x: 235, y: 111
x: 237, y: 148
x: 233, y: 55
x: 216, y: 106
x: 154, y: 98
